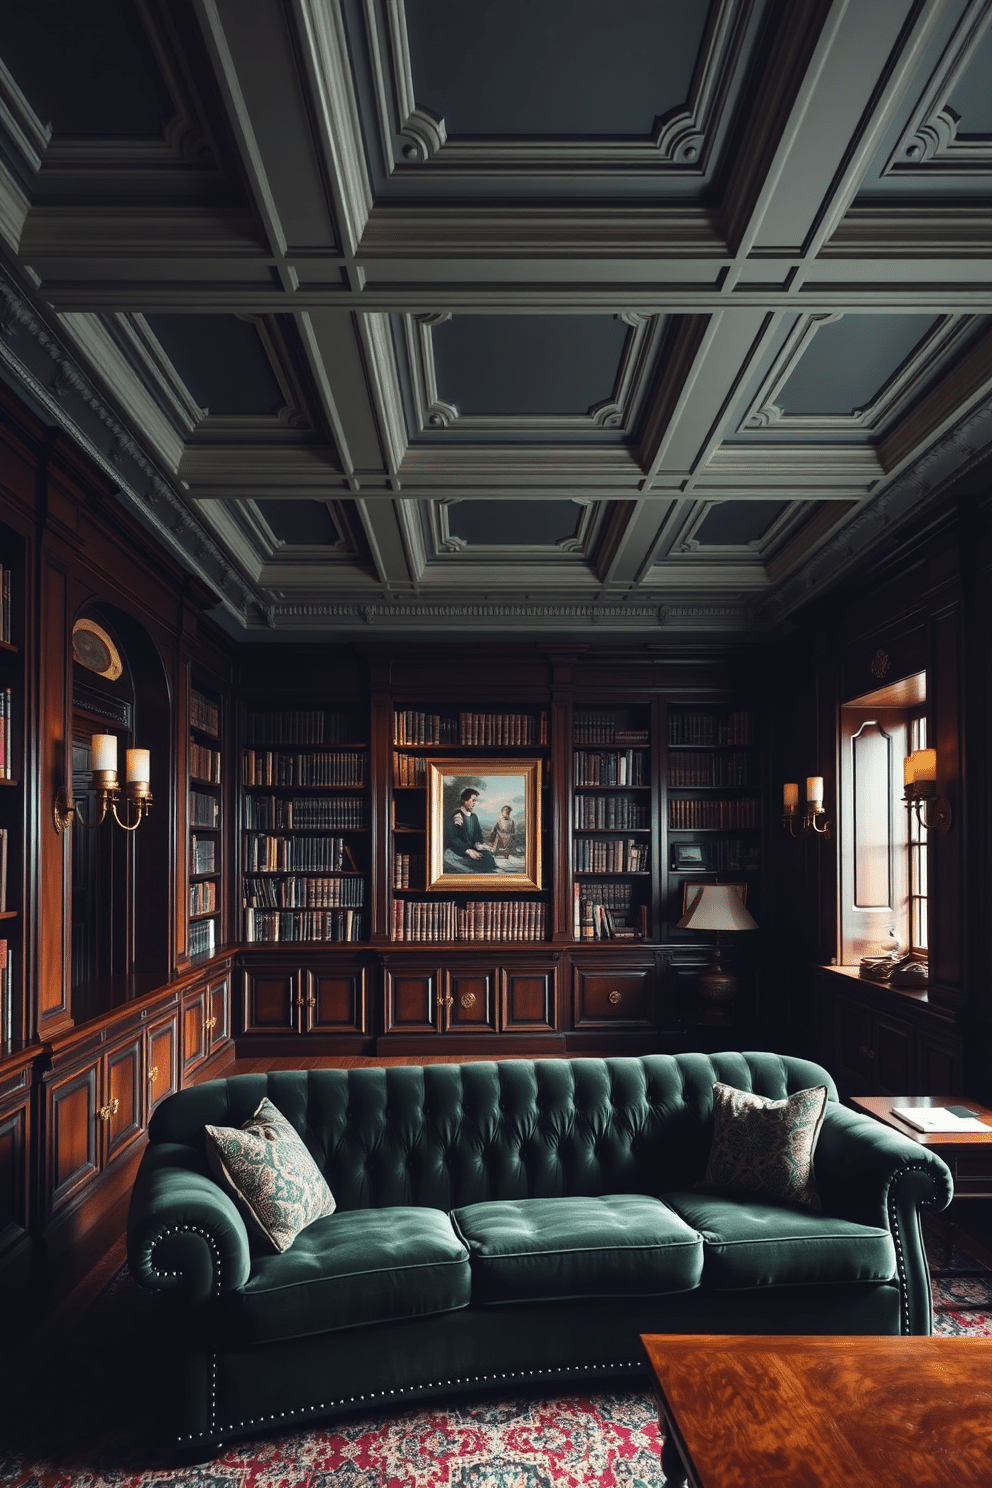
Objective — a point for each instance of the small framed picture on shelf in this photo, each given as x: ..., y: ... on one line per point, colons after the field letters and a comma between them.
x: 691, y: 890
x: 688, y: 855
x: 483, y: 823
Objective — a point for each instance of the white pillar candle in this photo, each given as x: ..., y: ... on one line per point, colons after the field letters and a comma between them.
x: 139, y: 767
x: 909, y: 769
x: 925, y: 764
x: 790, y: 798
x: 814, y: 787
x: 104, y: 752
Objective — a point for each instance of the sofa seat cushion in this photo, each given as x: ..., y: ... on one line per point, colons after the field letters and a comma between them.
x: 618, y: 1245
x: 752, y: 1243
x: 356, y: 1266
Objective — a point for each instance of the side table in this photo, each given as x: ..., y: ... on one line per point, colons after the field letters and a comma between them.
x: 967, y: 1154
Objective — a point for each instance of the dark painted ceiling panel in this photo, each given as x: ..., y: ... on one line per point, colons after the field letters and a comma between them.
x: 86, y: 69
x: 736, y: 523
x: 848, y: 361
x: 538, y: 67
x: 222, y: 362
x: 971, y: 98
x: 528, y: 523
x: 529, y: 364
x: 303, y: 524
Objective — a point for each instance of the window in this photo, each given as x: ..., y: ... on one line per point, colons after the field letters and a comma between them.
x: 882, y: 846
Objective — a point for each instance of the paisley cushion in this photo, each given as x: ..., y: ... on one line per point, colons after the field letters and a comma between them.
x: 765, y: 1147
x: 274, y: 1181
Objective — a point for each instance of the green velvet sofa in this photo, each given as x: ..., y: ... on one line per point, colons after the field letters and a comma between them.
x: 504, y: 1224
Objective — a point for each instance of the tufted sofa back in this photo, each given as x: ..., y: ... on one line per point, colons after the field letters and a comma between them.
x: 444, y: 1135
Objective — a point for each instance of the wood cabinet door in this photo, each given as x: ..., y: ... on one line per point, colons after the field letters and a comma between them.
x: 161, y: 1060
x: 123, y: 1097
x: 272, y: 1000
x: 528, y: 999
x: 412, y: 1001
x: 75, y: 1132
x: 335, y: 1001
x: 219, y: 1014
x: 195, y: 1032
x: 15, y: 1128
x: 854, y: 1069
x: 469, y: 1000
x: 894, y: 1045
x: 941, y: 1063
x: 613, y: 997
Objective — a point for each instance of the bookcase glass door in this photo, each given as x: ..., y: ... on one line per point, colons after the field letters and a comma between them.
x: 613, y: 850
x: 205, y: 933
x: 713, y: 803
x: 467, y: 737
x: 306, y: 829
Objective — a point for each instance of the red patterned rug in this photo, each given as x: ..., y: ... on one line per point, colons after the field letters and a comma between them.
x: 88, y: 1427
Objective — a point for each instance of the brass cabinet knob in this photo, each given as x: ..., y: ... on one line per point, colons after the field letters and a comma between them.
x: 449, y: 1001
x: 153, y: 1072
x: 614, y: 997
x: 210, y: 1023
x: 467, y: 999
x: 111, y: 1109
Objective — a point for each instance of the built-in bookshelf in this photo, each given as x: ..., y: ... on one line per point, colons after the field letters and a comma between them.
x: 306, y: 826
x: 713, y: 801
x: 205, y: 933
x: 612, y: 822
x: 487, y: 914
x: 12, y: 1012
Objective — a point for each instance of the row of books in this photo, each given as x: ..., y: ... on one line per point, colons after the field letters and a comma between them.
x: 203, y: 897
x: 5, y: 604
x: 617, y: 896
x: 610, y: 811
x: 202, y: 938
x: 694, y: 768
x: 6, y: 747
x: 204, y: 763
x: 301, y: 726
x: 688, y: 726
x: 268, y: 854
x: 203, y: 713
x: 610, y: 767
x: 306, y: 813
x: 204, y: 855
x: 479, y: 920
x: 603, y: 728
x: 204, y: 809
x: 304, y: 893
x: 272, y: 767
x: 612, y: 855
x: 408, y: 870
x: 409, y: 769
x: 494, y: 730
x: 598, y: 922
x: 683, y: 815
x: 268, y: 925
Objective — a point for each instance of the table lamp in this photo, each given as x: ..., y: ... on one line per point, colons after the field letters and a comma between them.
x: 716, y: 907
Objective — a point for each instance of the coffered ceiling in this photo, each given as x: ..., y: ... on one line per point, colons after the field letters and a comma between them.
x: 416, y: 316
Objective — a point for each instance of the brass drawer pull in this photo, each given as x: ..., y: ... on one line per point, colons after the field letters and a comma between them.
x: 449, y: 1002
x: 153, y: 1072
x: 614, y: 997
x: 209, y: 1023
x: 467, y: 999
x: 105, y: 1112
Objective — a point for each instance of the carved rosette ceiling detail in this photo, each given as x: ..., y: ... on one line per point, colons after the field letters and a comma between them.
x: 930, y: 143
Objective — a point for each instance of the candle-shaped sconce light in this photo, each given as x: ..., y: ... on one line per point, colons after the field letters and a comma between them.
x: 814, y: 818
x: 790, y: 799
x: 919, y: 779
x: 105, y: 783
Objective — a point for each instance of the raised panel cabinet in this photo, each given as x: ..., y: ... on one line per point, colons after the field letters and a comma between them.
x: 123, y: 1111
x: 15, y: 1189
x: 74, y: 1107
x: 613, y: 996
x: 528, y: 999
x: 161, y: 1060
x: 412, y: 1000
x: 470, y: 1000
x: 271, y: 999
x: 336, y: 1001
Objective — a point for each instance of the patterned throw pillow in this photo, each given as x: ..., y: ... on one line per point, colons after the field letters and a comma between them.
x: 765, y: 1147
x: 274, y: 1181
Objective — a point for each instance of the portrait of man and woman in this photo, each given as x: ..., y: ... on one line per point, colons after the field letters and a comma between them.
x: 484, y: 825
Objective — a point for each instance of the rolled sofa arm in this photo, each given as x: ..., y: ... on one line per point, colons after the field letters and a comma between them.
x: 871, y: 1174
x: 184, y: 1232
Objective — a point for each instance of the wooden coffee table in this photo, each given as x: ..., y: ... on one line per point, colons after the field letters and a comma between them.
x: 824, y: 1412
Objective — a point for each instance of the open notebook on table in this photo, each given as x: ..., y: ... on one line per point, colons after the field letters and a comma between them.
x: 931, y: 1119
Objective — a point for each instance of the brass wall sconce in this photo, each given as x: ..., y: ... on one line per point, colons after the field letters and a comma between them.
x: 106, y: 782
x: 814, y: 818
x: 919, y: 780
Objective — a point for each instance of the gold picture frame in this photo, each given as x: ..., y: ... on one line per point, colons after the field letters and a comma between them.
x: 495, y: 845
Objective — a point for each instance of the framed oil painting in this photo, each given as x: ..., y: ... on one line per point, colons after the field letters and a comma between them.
x: 483, y: 823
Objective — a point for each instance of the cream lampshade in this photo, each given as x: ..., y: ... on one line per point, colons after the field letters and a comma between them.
x: 717, y: 908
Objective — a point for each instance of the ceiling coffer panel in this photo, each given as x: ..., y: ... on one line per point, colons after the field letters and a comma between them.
x: 501, y: 529
x: 457, y: 96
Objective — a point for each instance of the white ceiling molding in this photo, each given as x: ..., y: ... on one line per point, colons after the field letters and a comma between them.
x: 930, y: 143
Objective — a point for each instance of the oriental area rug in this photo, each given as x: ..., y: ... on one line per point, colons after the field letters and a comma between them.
x: 85, y: 1422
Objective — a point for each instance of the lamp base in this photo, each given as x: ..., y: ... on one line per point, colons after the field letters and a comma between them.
x: 717, y: 990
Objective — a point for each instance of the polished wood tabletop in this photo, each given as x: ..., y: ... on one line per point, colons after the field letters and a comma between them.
x: 824, y: 1412
x: 886, y: 1108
